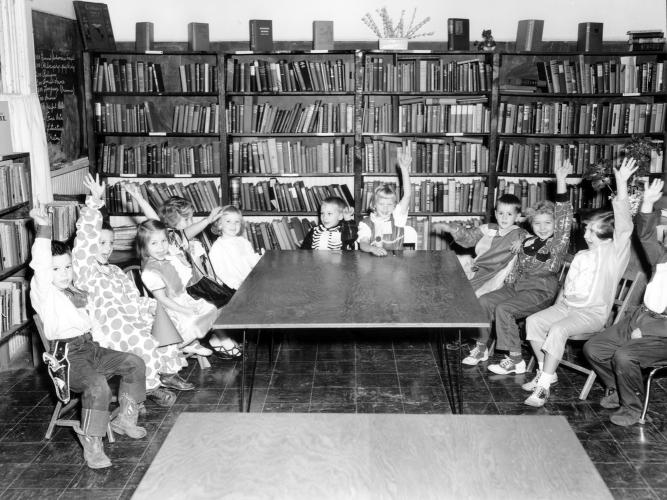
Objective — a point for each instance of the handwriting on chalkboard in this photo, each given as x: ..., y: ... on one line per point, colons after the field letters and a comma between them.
x: 56, y: 75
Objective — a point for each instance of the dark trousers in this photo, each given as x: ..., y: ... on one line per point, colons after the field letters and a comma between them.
x: 90, y: 367
x: 619, y: 359
x: 516, y: 301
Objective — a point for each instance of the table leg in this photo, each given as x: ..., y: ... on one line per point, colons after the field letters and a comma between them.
x: 243, y: 356
x: 459, y: 373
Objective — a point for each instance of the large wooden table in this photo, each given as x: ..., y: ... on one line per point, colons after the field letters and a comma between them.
x: 370, y: 456
x: 313, y: 290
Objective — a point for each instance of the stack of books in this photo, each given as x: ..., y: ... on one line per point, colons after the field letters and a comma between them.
x: 12, y: 302
x: 646, y: 40
x: 15, y: 242
x: 123, y: 237
x: 286, y: 233
x: 63, y: 215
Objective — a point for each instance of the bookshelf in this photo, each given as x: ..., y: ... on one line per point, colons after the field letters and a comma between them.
x: 15, y: 243
x: 155, y: 118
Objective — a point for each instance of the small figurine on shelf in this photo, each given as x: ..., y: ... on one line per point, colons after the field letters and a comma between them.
x: 488, y: 44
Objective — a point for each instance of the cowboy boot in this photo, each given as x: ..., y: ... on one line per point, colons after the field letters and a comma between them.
x: 93, y: 451
x: 126, y: 421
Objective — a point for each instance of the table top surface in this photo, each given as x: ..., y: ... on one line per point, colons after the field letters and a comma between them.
x: 368, y: 456
x: 306, y: 289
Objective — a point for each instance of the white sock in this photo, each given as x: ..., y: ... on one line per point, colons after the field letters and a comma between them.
x: 540, y: 365
x: 545, y: 380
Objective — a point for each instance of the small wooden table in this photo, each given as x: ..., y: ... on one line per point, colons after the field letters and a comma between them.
x: 314, y: 290
x: 369, y: 456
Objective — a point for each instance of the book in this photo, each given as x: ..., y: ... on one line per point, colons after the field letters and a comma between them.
x: 458, y: 34
x: 323, y: 35
x: 95, y: 25
x: 143, y: 39
x: 529, y: 34
x: 198, y: 40
x: 261, y: 35
x: 589, y: 37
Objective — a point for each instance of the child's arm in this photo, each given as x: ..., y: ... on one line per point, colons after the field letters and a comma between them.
x: 88, y: 229
x: 307, y: 243
x: 467, y: 237
x: 562, y: 217
x: 134, y: 191
x: 157, y: 286
x: 194, y: 229
x: 364, y: 239
x: 648, y: 220
x: 404, y: 161
x: 621, y: 204
x: 348, y: 233
x: 41, y: 260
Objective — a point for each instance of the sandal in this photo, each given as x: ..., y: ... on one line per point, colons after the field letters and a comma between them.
x: 232, y: 353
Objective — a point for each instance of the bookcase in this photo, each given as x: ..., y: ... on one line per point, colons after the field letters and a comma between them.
x: 154, y: 118
x: 15, y: 243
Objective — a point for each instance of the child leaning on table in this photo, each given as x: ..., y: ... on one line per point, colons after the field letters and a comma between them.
x: 337, y: 229
x: 532, y: 284
x: 383, y: 229
x: 493, y: 244
x: 67, y: 325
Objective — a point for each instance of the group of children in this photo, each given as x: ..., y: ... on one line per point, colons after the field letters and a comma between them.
x: 100, y: 325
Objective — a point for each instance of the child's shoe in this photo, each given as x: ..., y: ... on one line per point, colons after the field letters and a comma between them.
x: 161, y: 396
x: 538, y: 397
x: 126, y: 421
x: 507, y: 366
x: 530, y: 386
x: 626, y: 417
x: 175, y: 381
x: 476, y: 356
x: 610, y: 400
x: 196, y: 348
x: 93, y: 451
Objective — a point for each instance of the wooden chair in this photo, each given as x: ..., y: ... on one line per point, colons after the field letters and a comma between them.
x: 133, y: 272
x: 58, y: 418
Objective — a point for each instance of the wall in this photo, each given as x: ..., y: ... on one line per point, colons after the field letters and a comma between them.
x: 292, y: 19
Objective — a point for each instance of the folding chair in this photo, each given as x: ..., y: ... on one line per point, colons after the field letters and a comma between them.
x: 647, y: 396
x: 57, y: 418
x: 133, y: 272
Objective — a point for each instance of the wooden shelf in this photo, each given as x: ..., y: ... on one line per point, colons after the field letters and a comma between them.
x: 5, y: 273
x: 14, y: 208
x: 312, y: 134
x: 153, y: 135
x: 281, y: 93
x: 155, y: 94
x: 292, y: 176
x: 159, y: 176
x: 15, y: 329
x: 426, y: 174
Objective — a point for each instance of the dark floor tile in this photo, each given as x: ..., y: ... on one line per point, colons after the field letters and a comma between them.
x: 285, y: 395
x: 380, y: 407
x: 477, y: 408
x: 431, y: 407
x: 660, y: 493
x: 335, y: 366
x: 277, y: 407
x: 11, y: 413
x: 136, y: 476
x: 53, y: 475
x: 19, y: 452
x: 31, y: 493
x: 634, y: 433
x: 603, y: 451
x: 38, y: 383
x: 296, y: 356
x: 26, y: 432
x: 61, y: 453
x: 573, y: 410
x: 214, y: 378
x: 335, y: 353
x: 43, y: 412
x: 518, y: 408
x: 632, y: 493
x: 593, y: 429
x: 327, y: 379
x: 370, y: 366
x: 200, y: 396
x: 96, y: 494
x: 654, y: 474
x: 26, y: 398
x: 620, y: 475
x: 233, y: 396
x: 9, y: 472
x: 375, y: 378
x: 416, y: 365
x: 113, y: 477
x: 416, y: 393
x: 375, y: 394
x: 284, y: 366
x: 333, y: 395
x: 126, y: 451
x: 422, y: 377
x: 329, y: 408
x: 291, y: 380
x: 385, y: 356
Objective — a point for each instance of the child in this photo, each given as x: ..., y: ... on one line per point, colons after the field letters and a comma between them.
x: 493, y: 245
x: 532, y: 285
x: 337, y: 230
x: 639, y: 340
x: 125, y: 317
x: 68, y: 326
x: 383, y: 230
x: 588, y: 292
x: 166, y: 275
x: 232, y: 256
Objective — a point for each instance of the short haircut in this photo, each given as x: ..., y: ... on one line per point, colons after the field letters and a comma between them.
x: 60, y: 248
x: 541, y: 208
x: 334, y: 200
x: 228, y: 209
x: 385, y: 190
x: 144, y: 231
x: 511, y: 200
x: 106, y: 226
x: 601, y: 223
x: 174, y: 209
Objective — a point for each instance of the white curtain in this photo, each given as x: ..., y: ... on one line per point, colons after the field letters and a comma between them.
x: 18, y: 88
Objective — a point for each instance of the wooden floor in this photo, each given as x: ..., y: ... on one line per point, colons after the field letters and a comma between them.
x: 330, y: 456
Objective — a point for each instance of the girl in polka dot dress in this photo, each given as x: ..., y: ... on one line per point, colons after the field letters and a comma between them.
x: 125, y: 317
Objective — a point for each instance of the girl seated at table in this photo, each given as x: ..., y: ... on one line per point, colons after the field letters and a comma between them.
x: 383, y: 228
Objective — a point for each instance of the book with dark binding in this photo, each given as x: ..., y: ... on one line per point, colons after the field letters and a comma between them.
x: 95, y: 25
x: 198, y: 40
x: 261, y: 35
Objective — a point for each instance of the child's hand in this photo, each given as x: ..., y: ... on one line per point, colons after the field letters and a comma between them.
x: 445, y: 226
x: 625, y: 171
x: 515, y: 248
x: 378, y: 251
x: 215, y: 214
x: 652, y: 193
x: 348, y: 213
x: 133, y: 190
x: 405, y: 159
x: 563, y: 170
x: 94, y: 185
x: 39, y: 215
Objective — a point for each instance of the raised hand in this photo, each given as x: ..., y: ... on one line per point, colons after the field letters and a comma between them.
x: 625, y: 171
x: 95, y: 186
x: 215, y: 214
x: 563, y: 170
x: 39, y: 215
x: 404, y: 158
x: 348, y: 213
x: 652, y: 193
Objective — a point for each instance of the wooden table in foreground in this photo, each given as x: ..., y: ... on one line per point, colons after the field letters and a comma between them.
x: 314, y: 290
x: 369, y: 456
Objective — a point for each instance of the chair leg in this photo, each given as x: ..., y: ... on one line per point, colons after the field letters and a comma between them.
x: 642, y: 418
x: 588, y: 385
x: 54, y: 419
x: 531, y: 364
x: 492, y: 347
x: 203, y: 361
x: 110, y: 433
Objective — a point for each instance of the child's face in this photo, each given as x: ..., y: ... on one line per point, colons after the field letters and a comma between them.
x: 384, y: 205
x: 229, y: 224
x: 506, y: 215
x: 543, y: 225
x: 105, y: 246
x: 184, y: 222
x: 62, y: 271
x: 157, y: 245
x: 330, y: 215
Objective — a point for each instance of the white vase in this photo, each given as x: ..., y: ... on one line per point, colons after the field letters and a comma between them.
x: 393, y: 44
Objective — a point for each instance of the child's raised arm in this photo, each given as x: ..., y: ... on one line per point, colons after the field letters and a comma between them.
x: 41, y: 249
x: 621, y: 204
x: 197, y: 227
x: 88, y: 229
x: 404, y: 162
x: 134, y: 191
x: 648, y: 220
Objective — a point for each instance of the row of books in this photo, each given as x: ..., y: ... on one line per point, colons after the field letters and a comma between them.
x: 581, y: 118
x: 274, y: 196
x: 198, y: 77
x: 290, y: 157
x: 13, y: 291
x: 121, y: 75
x: 433, y: 156
x: 204, y: 195
x: 303, y: 75
x: 159, y: 159
x: 540, y: 158
x: 429, y: 116
x: 302, y: 118
x: 196, y: 119
x: 449, y: 196
x: 642, y: 40
x: 414, y: 75
x: 15, y: 242
x: 532, y: 193
x: 614, y: 76
x: 124, y: 237
x: 62, y: 217
x: 117, y: 117
x: 286, y: 233
x: 14, y: 184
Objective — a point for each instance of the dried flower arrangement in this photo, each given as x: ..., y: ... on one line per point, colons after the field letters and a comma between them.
x: 399, y: 30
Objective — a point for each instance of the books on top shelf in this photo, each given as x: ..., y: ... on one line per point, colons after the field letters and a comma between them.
x: 261, y: 35
x: 273, y: 196
x: 63, y: 216
x: 286, y: 233
x: 426, y: 75
x: 15, y: 242
x: 14, y: 184
x: 303, y: 75
x: 198, y: 77
x: 581, y: 118
x: 122, y: 75
x: 302, y: 118
x: 646, y: 40
x: 271, y: 156
x: 13, y: 291
x: 118, y: 117
x: 532, y: 192
x: 159, y: 159
x: 204, y: 195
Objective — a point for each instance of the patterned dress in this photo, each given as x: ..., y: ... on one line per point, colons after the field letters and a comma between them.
x: 125, y: 318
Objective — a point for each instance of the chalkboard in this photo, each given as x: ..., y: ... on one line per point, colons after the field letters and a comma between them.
x: 59, y: 68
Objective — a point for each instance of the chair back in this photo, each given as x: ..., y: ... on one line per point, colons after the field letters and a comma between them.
x: 40, y: 330
x: 410, y: 237
x: 134, y: 273
x: 629, y: 293
x: 564, y: 270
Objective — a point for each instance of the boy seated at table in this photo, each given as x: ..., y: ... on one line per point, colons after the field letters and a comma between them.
x: 493, y: 244
x: 337, y: 229
x: 67, y: 325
